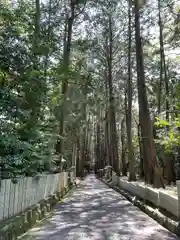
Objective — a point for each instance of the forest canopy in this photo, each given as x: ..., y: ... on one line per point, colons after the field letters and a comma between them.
x: 90, y: 81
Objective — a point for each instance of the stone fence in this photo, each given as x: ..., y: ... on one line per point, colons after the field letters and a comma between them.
x: 158, y: 197
x: 15, y: 198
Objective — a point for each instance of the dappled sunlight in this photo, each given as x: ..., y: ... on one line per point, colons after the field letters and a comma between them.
x: 97, y: 212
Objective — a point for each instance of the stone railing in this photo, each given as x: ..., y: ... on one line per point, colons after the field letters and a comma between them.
x: 158, y: 197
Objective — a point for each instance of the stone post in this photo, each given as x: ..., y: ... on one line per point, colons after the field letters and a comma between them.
x: 73, y: 170
x: 108, y: 172
x: 114, y: 177
x: 178, y: 191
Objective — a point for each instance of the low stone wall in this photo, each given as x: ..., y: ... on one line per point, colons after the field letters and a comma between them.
x: 170, y: 203
x: 12, y: 228
x: 167, y: 222
x: 133, y: 188
x: 158, y: 198
x: 152, y: 195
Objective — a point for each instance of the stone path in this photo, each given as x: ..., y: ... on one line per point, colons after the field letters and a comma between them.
x: 96, y: 212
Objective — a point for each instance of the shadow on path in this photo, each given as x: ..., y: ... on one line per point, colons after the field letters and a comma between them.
x: 97, y: 212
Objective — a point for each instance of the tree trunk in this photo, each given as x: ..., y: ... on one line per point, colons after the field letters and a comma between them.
x: 82, y: 152
x: 107, y: 146
x: 112, y: 117
x: 74, y: 150
x: 48, y: 39
x: 152, y: 173
x: 123, y: 155
x: 66, y: 58
x: 131, y: 158
x: 98, y: 145
x: 166, y: 81
x: 163, y: 64
x: 141, y: 173
x: 78, y: 174
x: 161, y: 58
x: 36, y: 39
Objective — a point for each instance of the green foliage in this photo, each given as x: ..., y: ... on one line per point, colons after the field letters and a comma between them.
x: 26, y: 145
x: 30, y: 87
x: 31, y: 79
x: 168, y: 134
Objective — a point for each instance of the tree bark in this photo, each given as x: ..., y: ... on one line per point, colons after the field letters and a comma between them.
x: 151, y: 168
x: 36, y: 34
x: 141, y: 174
x: 163, y: 69
x: 78, y: 174
x: 48, y: 39
x: 162, y: 66
x: 123, y: 154
x: 131, y: 158
x: 66, y: 58
x: 107, y: 145
x: 112, y: 117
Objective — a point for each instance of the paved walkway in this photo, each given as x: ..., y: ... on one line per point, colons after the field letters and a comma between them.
x: 97, y: 212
